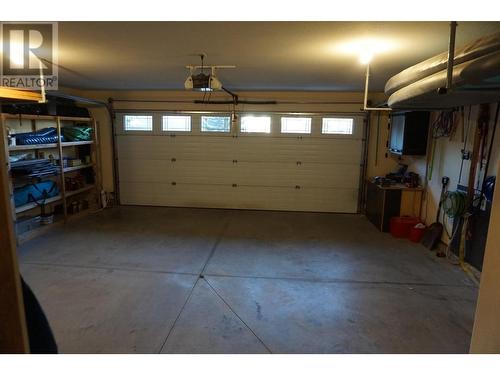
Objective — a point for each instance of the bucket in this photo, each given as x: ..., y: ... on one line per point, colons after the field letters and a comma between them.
x: 400, y: 226
x: 416, y: 232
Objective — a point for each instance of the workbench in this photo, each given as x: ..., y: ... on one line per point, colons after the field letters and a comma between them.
x: 384, y: 202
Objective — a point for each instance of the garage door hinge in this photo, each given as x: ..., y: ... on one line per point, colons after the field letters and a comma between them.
x: 235, y: 161
x: 172, y: 135
x: 299, y: 163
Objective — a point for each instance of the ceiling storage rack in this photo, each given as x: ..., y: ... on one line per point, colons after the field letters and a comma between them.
x: 73, y: 167
x: 474, y: 78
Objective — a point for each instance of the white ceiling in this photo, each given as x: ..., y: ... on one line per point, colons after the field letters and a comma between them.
x: 268, y: 55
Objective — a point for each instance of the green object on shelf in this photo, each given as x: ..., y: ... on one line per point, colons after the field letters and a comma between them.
x: 77, y: 133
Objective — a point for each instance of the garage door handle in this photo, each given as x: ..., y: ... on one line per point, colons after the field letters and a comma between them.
x: 173, y: 160
x: 299, y: 163
x: 174, y: 183
x: 235, y: 185
x: 297, y: 187
x: 235, y: 161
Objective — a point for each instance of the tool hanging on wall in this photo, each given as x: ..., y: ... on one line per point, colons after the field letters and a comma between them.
x: 378, y: 138
x: 482, y: 123
x: 433, y: 233
x: 465, y: 153
x: 488, y: 158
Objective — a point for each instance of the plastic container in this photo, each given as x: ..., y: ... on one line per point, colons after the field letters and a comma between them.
x: 400, y: 226
x: 416, y: 232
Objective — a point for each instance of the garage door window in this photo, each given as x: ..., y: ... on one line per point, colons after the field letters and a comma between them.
x: 138, y: 123
x: 337, y: 126
x: 176, y: 123
x: 300, y: 125
x: 256, y: 124
x: 216, y: 124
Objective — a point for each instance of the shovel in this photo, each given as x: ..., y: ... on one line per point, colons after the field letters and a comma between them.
x: 434, y: 231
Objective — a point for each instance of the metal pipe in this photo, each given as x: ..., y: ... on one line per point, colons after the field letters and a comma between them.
x: 451, y: 55
x: 367, y: 80
x: 305, y: 102
x: 365, y: 101
x: 317, y: 113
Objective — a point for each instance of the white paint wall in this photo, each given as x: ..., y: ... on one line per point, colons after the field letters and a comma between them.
x: 446, y: 161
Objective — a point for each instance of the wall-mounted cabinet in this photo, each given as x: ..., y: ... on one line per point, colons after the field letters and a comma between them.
x: 409, y: 131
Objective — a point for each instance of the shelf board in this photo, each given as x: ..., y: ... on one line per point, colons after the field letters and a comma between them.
x: 47, y: 117
x: 76, y: 168
x: 48, y: 145
x: 32, y: 147
x: 78, y: 191
x: 78, y: 143
x: 79, y: 119
x: 32, y: 205
x: 30, y: 117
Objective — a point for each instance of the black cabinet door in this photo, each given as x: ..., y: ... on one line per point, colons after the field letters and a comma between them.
x: 409, y: 131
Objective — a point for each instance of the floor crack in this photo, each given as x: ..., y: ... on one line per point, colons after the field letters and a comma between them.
x: 239, y: 317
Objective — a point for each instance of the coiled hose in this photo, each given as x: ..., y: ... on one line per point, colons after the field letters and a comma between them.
x: 454, y: 204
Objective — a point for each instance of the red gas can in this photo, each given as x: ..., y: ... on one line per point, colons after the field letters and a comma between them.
x: 400, y: 226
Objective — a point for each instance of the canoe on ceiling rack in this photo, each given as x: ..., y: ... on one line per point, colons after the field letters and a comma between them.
x: 476, y: 78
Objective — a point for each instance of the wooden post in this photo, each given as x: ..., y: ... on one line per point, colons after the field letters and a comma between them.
x: 61, y: 162
x: 13, y: 332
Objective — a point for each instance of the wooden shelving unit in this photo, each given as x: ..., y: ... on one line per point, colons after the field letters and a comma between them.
x: 90, y: 192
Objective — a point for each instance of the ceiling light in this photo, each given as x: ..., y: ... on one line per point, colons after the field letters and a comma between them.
x: 366, y: 48
x: 365, y: 57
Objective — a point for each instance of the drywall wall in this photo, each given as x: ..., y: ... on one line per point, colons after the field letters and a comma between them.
x: 447, y: 159
x: 329, y: 102
x: 447, y: 162
x: 486, y: 331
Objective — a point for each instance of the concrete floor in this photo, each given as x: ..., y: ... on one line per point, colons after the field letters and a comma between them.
x: 176, y: 280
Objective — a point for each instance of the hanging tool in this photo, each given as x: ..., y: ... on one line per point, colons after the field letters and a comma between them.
x: 465, y: 153
x: 378, y: 138
x: 487, y: 166
x: 433, y: 232
x: 482, y: 123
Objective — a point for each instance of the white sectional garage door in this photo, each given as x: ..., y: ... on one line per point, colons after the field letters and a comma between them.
x: 274, y: 171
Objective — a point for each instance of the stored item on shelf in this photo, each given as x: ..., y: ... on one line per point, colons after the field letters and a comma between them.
x: 42, y: 136
x: 26, y: 223
x: 33, y: 168
x: 77, y: 133
x: 74, y: 162
x: 11, y: 139
x: 74, y: 183
x: 46, y: 219
x: 36, y: 193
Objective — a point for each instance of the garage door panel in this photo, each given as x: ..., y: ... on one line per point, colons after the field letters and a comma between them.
x: 241, y: 173
x: 241, y: 148
x: 268, y: 198
x: 255, y: 171
x: 179, y: 147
